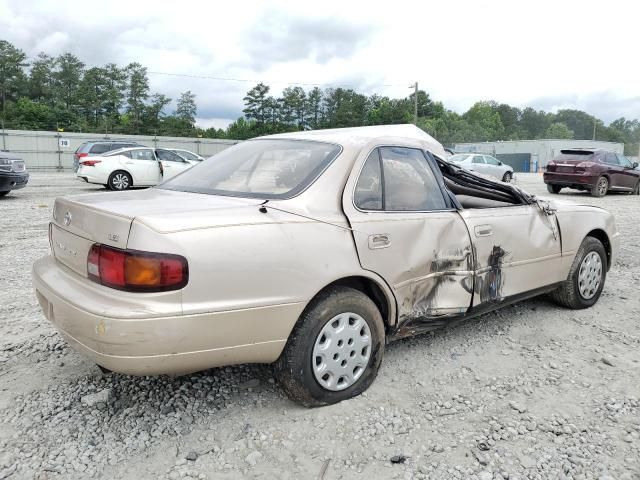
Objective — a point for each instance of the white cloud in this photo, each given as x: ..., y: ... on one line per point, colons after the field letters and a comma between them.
x: 459, y: 51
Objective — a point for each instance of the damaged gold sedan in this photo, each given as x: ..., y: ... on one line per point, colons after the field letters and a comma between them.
x: 309, y: 250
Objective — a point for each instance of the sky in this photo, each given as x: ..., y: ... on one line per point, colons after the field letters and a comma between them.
x: 544, y: 54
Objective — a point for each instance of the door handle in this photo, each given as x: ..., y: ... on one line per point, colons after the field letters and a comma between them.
x: 483, y: 230
x: 379, y: 240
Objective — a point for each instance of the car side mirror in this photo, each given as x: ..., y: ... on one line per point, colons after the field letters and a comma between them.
x: 635, y: 164
x: 499, y: 162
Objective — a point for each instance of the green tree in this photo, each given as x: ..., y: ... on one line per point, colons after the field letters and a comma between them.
x: 485, y: 122
x: 581, y: 123
x: 186, y: 108
x: 314, y: 108
x: 115, y: 91
x: 137, y: 94
x: 154, y: 113
x: 558, y: 130
x: 255, y: 107
x: 67, y: 78
x: 41, y: 79
x: 12, y: 77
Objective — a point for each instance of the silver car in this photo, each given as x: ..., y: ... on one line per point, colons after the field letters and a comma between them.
x: 484, y: 164
x: 309, y: 250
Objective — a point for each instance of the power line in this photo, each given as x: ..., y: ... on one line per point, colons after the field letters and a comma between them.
x: 253, y: 80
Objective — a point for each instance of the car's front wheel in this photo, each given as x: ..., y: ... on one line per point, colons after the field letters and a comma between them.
x: 120, y: 181
x: 636, y: 189
x: 553, y: 188
x: 507, y: 177
x: 334, y: 351
x: 585, y: 282
x: 600, y: 188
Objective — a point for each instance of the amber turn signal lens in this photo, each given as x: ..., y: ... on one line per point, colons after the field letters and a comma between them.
x: 143, y: 271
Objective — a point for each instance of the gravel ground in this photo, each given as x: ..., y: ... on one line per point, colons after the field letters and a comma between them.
x: 531, y: 391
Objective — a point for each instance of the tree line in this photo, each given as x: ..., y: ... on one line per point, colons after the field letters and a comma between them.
x: 63, y: 93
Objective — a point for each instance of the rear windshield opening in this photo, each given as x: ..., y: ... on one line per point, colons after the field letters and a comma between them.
x: 269, y: 169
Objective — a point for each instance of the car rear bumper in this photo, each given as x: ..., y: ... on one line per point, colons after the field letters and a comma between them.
x: 149, y: 345
x: 569, y: 179
x: 13, y: 181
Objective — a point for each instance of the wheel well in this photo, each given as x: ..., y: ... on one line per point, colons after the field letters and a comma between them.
x: 604, y: 238
x: 371, y: 289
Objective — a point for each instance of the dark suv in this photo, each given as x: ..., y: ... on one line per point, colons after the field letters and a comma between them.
x: 13, y: 173
x: 597, y: 171
x: 98, y: 148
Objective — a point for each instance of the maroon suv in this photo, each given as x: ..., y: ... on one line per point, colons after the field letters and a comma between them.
x: 597, y: 171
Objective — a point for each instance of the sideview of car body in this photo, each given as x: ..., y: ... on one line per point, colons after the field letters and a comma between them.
x: 309, y: 250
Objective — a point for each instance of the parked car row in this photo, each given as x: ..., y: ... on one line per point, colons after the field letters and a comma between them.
x: 134, y: 166
x: 594, y: 170
x: 100, y: 147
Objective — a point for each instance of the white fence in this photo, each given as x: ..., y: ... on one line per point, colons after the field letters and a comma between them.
x: 54, y: 150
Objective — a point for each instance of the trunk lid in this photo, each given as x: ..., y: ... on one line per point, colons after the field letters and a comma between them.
x: 106, y: 218
x: 570, y: 159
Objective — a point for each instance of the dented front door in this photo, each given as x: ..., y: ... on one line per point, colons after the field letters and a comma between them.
x: 406, y: 233
x: 517, y: 249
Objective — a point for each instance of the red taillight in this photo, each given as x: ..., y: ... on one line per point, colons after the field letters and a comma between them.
x: 136, y: 271
x: 582, y: 166
x: 90, y: 163
x: 80, y: 155
x: 551, y: 166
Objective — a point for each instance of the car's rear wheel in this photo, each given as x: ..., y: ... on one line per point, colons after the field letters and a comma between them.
x: 507, y: 177
x: 2, y: 194
x: 120, y: 180
x: 334, y: 351
x: 600, y: 188
x: 553, y: 188
x: 585, y: 282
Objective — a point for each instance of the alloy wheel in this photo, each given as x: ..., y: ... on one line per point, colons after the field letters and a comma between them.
x: 120, y: 181
x: 602, y: 187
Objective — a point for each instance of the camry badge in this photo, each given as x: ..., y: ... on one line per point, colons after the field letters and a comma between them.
x: 67, y: 219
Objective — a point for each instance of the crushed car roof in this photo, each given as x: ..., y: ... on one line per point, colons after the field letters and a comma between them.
x: 357, y: 136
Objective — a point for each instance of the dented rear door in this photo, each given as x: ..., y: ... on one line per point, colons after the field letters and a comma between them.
x: 517, y: 249
x: 405, y: 231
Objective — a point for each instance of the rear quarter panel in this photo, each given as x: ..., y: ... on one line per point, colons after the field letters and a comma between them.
x: 576, y: 222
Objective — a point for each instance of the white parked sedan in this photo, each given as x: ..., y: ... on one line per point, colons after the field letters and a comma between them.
x: 484, y: 164
x: 132, y: 167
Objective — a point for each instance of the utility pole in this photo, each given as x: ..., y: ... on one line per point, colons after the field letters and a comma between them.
x: 415, y: 102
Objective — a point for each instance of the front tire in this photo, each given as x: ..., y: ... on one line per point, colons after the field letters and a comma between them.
x: 585, y: 282
x: 553, y: 188
x: 120, y: 180
x: 506, y: 178
x: 335, y: 349
x: 636, y: 190
x: 600, y: 188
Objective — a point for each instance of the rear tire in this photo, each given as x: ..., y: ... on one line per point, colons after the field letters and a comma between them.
x: 316, y: 347
x: 553, y: 188
x: 507, y: 177
x: 2, y: 194
x: 600, y: 188
x: 120, y: 180
x: 585, y: 282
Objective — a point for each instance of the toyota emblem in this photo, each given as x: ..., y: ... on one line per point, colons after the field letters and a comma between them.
x: 67, y: 219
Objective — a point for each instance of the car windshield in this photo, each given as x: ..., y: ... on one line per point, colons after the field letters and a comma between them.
x: 273, y: 168
x: 458, y: 158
